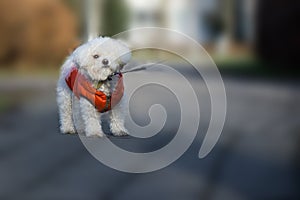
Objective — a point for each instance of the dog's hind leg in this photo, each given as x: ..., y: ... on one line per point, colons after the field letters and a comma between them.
x: 64, y: 101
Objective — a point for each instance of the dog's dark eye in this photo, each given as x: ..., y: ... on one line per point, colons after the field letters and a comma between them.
x: 105, y: 61
x: 96, y: 56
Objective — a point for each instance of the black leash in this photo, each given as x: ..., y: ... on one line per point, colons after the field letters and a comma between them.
x: 136, y: 69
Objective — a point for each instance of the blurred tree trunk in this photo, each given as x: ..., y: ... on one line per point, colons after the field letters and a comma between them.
x: 114, y: 18
x: 36, y: 31
x: 93, y: 9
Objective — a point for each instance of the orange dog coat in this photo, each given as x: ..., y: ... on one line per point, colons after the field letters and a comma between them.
x: 81, y: 87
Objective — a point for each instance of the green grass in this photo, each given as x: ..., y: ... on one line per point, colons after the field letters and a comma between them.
x: 30, y: 72
x: 5, y: 103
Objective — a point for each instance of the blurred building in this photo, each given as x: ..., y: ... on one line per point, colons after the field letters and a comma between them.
x: 217, y: 23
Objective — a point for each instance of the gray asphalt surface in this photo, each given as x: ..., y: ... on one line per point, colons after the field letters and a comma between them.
x: 257, y: 156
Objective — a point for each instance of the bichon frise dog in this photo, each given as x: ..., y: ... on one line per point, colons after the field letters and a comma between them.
x: 90, y: 83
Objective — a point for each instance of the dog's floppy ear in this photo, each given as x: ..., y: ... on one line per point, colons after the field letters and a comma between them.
x: 125, y: 58
x: 125, y: 53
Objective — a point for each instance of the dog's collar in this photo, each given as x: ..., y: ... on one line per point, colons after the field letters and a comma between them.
x: 81, y: 87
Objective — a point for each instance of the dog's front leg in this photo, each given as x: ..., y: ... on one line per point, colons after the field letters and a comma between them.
x: 91, y: 119
x: 117, y: 115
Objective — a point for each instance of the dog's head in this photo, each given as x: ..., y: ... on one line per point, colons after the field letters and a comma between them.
x: 101, y: 57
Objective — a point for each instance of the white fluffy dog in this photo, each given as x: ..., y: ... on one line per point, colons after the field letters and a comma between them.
x: 97, y: 63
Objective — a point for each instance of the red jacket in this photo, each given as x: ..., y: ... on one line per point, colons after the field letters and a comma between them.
x: 81, y: 87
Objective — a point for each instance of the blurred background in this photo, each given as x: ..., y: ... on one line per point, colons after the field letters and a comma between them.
x: 255, y: 46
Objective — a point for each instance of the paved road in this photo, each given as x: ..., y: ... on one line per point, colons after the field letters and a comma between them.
x: 257, y: 156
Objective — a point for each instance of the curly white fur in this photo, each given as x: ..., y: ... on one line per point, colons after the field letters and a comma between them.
x: 79, y: 115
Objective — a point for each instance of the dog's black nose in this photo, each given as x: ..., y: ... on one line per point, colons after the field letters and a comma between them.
x: 105, y: 61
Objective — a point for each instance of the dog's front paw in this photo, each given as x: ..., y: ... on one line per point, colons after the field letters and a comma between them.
x: 120, y: 133
x: 67, y: 129
x: 100, y: 135
x: 118, y: 130
x: 94, y: 133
